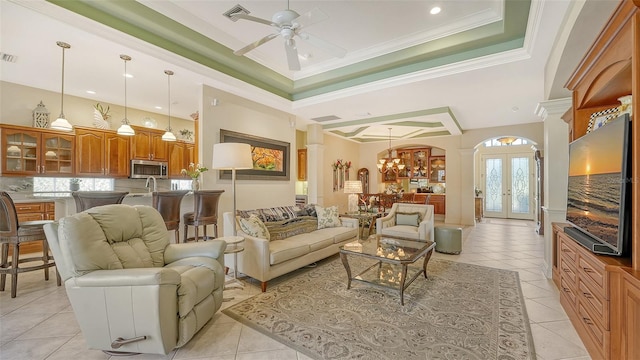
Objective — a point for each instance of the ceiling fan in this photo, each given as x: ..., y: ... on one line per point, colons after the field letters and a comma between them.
x: 290, y: 24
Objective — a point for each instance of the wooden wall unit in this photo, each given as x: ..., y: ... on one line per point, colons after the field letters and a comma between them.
x: 302, y: 164
x: 601, y: 294
x: 438, y: 201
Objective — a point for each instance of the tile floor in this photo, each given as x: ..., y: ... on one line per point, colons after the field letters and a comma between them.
x: 39, y: 322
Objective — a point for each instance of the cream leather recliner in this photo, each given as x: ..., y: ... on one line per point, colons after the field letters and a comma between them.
x: 414, y: 221
x: 126, y: 282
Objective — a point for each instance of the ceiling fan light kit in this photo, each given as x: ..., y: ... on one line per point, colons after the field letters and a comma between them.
x: 289, y: 24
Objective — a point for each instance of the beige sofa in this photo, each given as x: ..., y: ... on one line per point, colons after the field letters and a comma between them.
x: 130, y: 289
x: 265, y: 259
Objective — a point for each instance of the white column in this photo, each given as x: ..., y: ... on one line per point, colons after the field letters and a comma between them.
x: 467, y: 194
x: 556, y: 170
x: 315, y: 157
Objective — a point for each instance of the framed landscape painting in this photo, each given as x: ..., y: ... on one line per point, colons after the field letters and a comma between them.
x: 270, y: 157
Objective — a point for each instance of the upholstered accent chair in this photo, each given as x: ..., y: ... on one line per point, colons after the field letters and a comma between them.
x: 130, y: 289
x: 414, y: 221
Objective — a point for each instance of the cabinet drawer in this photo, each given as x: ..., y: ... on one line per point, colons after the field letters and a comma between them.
x: 50, y: 206
x: 596, y: 275
x: 568, y: 272
x: 568, y: 250
x: 598, y: 335
x: 29, y: 208
x: 30, y: 217
x: 567, y: 290
x: 599, y: 306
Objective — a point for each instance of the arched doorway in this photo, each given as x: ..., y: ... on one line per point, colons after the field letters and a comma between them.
x: 507, y: 177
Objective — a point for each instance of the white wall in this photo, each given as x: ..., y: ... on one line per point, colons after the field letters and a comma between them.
x: 17, y: 103
x: 240, y: 115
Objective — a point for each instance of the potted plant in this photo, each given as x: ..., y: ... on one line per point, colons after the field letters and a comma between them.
x: 74, y: 184
x: 194, y: 171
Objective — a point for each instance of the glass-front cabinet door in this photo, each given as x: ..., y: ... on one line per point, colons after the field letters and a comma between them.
x: 20, y: 150
x: 57, y: 154
x: 36, y: 152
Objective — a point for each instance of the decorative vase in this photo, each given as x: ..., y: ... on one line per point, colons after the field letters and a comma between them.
x: 195, y: 184
x: 625, y: 108
x: 74, y: 187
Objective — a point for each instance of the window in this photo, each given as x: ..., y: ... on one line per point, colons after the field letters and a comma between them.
x: 53, y: 186
x: 505, y: 141
x: 181, y: 184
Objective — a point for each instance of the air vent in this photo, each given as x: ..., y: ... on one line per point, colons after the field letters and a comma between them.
x: 235, y: 10
x: 326, y: 118
x: 8, y: 57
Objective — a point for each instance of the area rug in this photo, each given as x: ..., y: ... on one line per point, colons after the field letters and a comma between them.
x: 461, y: 311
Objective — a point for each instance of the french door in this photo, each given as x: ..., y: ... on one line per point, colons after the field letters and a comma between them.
x: 508, y: 185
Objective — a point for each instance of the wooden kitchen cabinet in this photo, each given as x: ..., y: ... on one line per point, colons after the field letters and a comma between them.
x: 302, y: 164
x: 479, y: 207
x: 29, y: 151
x: 438, y: 201
x: 101, y: 153
x: 147, y: 144
x: 181, y: 154
x: 437, y: 172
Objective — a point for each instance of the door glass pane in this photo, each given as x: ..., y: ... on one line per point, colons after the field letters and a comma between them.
x: 520, y: 185
x: 493, y: 191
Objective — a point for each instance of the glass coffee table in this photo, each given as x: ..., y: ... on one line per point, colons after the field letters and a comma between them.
x: 393, y: 255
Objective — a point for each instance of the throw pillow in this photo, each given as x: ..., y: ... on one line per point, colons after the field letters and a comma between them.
x: 328, y: 217
x: 253, y: 226
x: 279, y: 230
x: 412, y: 219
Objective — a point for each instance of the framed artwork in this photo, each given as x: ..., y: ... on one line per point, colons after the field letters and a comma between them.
x: 270, y: 157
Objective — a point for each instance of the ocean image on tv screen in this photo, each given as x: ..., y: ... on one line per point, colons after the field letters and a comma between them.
x: 594, y: 205
x: 595, y: 182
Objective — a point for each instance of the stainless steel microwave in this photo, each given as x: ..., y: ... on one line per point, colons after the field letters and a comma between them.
x: 142, y: 169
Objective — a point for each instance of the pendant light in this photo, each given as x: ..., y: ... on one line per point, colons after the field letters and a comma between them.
x: 61, y: 123
x: 390, y: 163
x: 169, y: 135
x: 125, y: 128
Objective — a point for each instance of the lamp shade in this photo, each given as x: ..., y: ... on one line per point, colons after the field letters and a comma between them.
x: 61, y: 124
x: 126, y: 129
x: 227, y: 156
x: 353, y: 187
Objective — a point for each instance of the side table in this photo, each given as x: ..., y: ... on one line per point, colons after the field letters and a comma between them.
x: 362, y: 221
x: 234, y: 246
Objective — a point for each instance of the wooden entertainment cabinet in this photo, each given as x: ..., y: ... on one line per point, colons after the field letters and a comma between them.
x: 601, y: 294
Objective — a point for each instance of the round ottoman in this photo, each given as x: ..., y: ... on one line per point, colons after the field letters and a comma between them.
x: 448, y: 239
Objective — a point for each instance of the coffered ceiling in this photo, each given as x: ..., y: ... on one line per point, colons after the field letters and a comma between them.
x: 478, y: 63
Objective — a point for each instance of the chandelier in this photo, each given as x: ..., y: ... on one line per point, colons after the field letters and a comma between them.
x: 390, y: 163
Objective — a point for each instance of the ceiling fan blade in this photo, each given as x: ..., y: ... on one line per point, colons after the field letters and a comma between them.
x: 253, y: 18
x: 312, y: 17
x: 330, y: 48
x: 255, y: 44
x: 292, y: 54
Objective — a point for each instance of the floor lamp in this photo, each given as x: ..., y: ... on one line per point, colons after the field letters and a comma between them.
x: 232, y: 156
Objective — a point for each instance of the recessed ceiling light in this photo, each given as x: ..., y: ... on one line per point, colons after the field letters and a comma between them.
x: 515, y: 109
x: 435, y: 10
x: 91, y: 92
x: 158, y: 107
x: 128, y: 75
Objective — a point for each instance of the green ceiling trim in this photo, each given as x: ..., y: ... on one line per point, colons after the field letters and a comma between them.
x: 385, y: 118
x: 431, y: 134
x: 350, y: 134
x: 137, y: 20
x: 150, y: 26
x: 419, y: 124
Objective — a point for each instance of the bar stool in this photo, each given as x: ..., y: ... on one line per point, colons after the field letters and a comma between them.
x: 205, y: 204
x: 13, y: 232
x: 88, y: 199
x: 168, y: 205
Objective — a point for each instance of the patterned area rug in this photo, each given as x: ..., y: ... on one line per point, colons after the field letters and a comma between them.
x: 462, y: 311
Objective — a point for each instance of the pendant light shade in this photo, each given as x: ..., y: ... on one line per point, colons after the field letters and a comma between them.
x: 61, y: 123
x: 125, y: 128
x: 169, y: 135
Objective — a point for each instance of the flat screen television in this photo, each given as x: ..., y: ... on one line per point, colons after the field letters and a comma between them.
x: 599, y: 193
